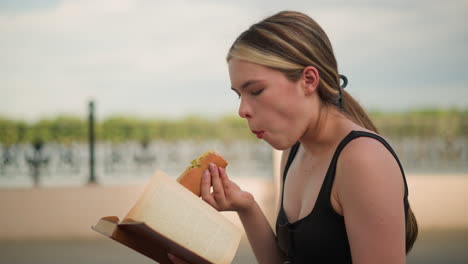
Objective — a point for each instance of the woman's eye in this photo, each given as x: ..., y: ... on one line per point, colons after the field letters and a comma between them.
x: 256, y: 92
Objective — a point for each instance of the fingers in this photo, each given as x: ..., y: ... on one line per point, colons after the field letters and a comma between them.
x: 218, y: 190
x: 224, y: 180
x: 226, y: 194
x: 205, y: 189
x: 222, y: 174
x: 217, y: 178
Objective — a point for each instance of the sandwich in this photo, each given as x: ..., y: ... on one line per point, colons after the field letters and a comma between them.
x: 192, y: 176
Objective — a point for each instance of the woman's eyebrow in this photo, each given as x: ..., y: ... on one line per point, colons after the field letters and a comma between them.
x: 246, y: 84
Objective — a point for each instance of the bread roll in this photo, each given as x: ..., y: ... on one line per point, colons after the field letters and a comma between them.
x: 191, y: 178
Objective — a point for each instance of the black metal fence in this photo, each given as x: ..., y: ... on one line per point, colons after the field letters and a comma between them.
x: 115, y: 161
x: 42, y: 163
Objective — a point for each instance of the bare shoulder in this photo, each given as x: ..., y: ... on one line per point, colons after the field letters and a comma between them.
x: 366, y: 154
x: 370, y: 189
x: 366, y: 166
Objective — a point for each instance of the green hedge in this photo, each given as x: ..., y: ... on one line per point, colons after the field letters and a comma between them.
x: 425, y: 123
x: 67, y: 129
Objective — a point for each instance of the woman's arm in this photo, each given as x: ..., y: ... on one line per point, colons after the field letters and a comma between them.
x: 227, y: 196
x: 264, y: 252
x: 260, y: 235
x: 370, y: 189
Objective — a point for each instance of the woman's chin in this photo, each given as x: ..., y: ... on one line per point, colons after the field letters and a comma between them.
x: 279, y: 145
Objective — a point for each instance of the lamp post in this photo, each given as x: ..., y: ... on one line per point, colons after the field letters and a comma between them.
x: 91, y: 133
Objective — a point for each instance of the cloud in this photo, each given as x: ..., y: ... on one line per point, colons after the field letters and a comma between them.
x: 167, y: 57
x: 103, y: 49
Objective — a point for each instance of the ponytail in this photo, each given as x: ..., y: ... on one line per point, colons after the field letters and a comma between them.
x: 353, y: 110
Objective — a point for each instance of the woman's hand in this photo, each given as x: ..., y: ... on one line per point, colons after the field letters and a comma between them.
x: 226, y: 195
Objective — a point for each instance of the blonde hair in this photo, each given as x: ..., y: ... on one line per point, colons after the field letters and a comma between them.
x: 290, y: 41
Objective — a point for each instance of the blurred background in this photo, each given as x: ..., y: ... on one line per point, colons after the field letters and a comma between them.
x: 97, y: 95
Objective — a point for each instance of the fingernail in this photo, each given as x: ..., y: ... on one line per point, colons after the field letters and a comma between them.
x: 212, y: 166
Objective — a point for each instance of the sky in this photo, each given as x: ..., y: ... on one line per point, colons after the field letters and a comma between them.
x: 167, y: 58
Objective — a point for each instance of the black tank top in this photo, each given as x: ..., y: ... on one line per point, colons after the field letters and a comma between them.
x: 320, y: 237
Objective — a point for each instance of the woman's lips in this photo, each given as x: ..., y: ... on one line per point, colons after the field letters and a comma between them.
x: 259, y: 133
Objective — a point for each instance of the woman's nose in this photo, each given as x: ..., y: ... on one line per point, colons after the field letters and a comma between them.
x: 245, y: 110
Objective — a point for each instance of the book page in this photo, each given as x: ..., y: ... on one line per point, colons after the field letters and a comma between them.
x: 178, y: 214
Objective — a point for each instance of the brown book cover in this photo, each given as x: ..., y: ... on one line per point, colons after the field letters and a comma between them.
x: 142, y: 238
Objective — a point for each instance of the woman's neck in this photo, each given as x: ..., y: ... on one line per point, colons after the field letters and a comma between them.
x: 329, y: 128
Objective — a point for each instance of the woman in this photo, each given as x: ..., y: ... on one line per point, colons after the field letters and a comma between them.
x: 344, y: 193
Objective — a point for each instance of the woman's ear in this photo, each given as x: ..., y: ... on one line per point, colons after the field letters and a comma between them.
x: 310, y: 79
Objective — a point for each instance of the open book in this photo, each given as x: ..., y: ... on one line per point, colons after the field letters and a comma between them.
x: 170, y: 218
